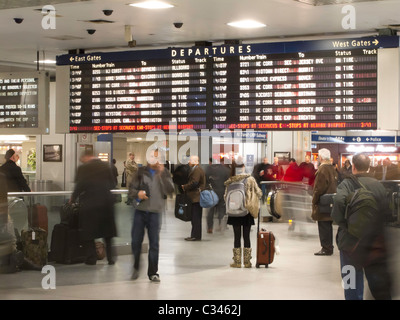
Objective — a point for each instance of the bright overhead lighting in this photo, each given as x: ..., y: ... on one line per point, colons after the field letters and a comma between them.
x: 13, y: 138
x: 46, y: 61
x: 152, y: 5
x: 246, y: 24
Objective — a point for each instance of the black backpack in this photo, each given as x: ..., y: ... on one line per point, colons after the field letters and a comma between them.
x: 181, y: 174
x: 362, y: 211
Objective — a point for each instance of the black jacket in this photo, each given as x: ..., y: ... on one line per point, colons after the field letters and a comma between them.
x: 344, y: 239
x: 15, y: 179
x: 94, y: 180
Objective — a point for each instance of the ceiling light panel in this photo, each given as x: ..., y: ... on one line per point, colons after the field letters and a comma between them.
x: 246, y: 24
x: 152, y: 5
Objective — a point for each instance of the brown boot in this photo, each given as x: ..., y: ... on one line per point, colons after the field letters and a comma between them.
x: 237, y: 258
x: 247, y: 257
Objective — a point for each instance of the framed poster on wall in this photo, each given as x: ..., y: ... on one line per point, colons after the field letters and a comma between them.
x: 52, y: 153
x: 283, y: 157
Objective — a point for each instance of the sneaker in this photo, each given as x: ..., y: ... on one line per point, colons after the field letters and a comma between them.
x: 135, y: 274
x: 154, y: 278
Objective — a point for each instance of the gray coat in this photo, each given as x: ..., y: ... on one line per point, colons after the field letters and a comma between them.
x: 156, y: 185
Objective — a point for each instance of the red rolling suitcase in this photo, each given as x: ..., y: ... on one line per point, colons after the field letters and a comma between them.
x: 38, y: 218
x: 265, y: 246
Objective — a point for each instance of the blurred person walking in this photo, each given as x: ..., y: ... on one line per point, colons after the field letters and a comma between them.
x: 148, y: 189
x: 196, y: 183
x: 325, y: 182
x: 216, y: 175
x: 93, y: 183
x: 131, y: 168
x: 242, y: 225
x: 367, y: 254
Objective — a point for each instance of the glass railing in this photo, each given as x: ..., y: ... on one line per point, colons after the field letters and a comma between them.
x: 20, y: 205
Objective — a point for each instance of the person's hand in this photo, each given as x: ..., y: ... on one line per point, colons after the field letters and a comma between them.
x: 160, y: 168
x: 142, y: 195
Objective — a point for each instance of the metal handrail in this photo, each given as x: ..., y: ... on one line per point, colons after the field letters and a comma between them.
x: 55, y: 193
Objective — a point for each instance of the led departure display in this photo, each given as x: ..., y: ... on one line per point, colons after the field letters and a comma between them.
x: 247, y: 89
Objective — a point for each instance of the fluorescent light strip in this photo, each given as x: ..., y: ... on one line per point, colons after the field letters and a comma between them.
x: 46, y: 61
x: 152, y: 5
x: 246, y: 24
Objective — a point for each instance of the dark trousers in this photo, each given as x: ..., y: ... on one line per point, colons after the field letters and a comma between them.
x: 237, y: 233
x: 150, y: 221
x: 377, y: 275
x: 197, y: 214
x: 325, y: 231
x: 90, y: 248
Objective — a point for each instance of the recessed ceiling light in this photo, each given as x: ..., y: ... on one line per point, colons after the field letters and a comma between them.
x: 47, y: 61
x: 246, y: 24
x: 152, y: 5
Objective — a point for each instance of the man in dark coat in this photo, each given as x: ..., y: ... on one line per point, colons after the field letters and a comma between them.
x: 216, y: 175
x: 325, y: 182
x: 387, y: 171
x: 369, y: 254
x: 15, y: 179
x: 94, y: 180
x: 196, y: 183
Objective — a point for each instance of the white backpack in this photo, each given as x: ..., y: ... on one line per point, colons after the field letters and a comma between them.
x: 236, y: 199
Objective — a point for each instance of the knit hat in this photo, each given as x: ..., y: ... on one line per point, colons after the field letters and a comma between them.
x: 9, y: 154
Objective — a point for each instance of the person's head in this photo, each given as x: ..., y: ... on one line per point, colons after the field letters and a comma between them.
x: 276, y: 160
x: 153, y: 158
x: 86, y: 155
x: 193, y: 161
x: 114, y: 161
x: 11, y: 155
x: 240, y: 169
x: 324, y: 155
x: 361, y: 163
x: 347, y: 163
x: 131, y: 155
x: 265, y: 160
x: 307, y: 159
x: 386, y: 162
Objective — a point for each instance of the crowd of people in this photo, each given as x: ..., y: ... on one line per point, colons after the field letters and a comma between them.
x: 149, y: 186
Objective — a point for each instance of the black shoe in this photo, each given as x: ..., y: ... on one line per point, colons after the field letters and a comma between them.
x: 192, y: 239
x: 90, y: 263
x: 111, y: 262
x: 324, y: 252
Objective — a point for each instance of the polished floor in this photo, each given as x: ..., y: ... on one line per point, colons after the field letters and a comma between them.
x: 200, y: 270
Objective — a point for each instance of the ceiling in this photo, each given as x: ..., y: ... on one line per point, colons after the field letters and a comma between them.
x: 203, y: 20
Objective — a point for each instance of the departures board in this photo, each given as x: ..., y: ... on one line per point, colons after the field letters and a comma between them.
x: 24, y: 102
x: 261, y: 87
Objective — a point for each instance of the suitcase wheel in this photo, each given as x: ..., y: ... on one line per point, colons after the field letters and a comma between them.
x: 257, y: 265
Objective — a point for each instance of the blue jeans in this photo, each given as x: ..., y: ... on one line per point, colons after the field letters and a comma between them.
x: 151, y: 221
x: 377, y: 275
x: 357, y: 292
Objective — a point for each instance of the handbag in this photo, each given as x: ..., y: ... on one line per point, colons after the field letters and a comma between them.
x: 100, y: 250
x: 183, y: 207
x: 69, y: 214
x: 325, y: 204
x: 208, y: 198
